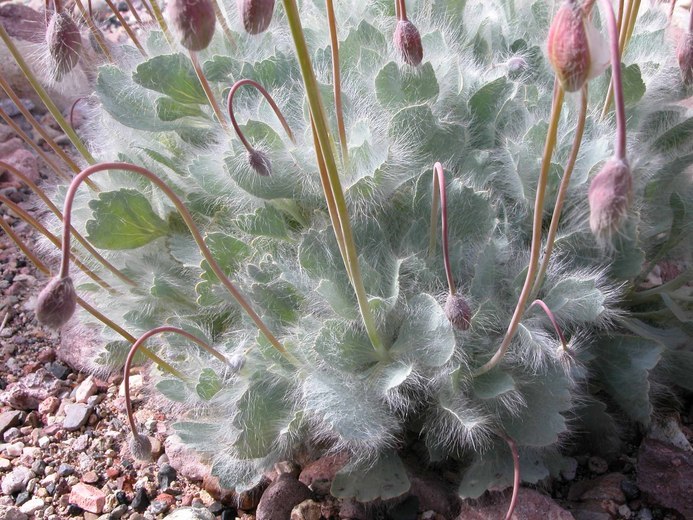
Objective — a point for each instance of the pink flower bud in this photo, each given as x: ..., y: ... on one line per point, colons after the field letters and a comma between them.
x: 685, y: 55
x: 140, y: 447
x: 64, y: 44
x: 408, y: 43
x: 256, y: 14
x: 260, y: 163
x: 609, y: 197
x: 56, y: 303
x: 193, y: 21
x: 457, y: 311
x: 568, y: 46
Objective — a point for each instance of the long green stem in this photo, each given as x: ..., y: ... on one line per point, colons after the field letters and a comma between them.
x: 52, y: 108
x: 95, y: 31
x: 336, y: 78
x: 536, y: 232
x: 126, y: 26
x: 162, y: 23
x: 562, y: 192
x: 322, y: 130
x: 440, y: 198
x: 87, y: 307
x: 208, y: 91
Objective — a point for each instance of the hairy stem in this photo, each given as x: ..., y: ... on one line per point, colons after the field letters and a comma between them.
x: 87, y: 307
x: 336, y: 78
x: 208, y: 91
x: 222, y: 21
x: 516, y: 474
x: 45, y: 98
x: 158, y: 15
x: 269, y: 99
x: 562, y: 192
x: 536, y: 232
x: 130, y: 32
x: 552, y: 318
x: 187, y: 218
x: 134, y: 12
x: 318, y: 112
x: 94, y: 31
x: 439, y: 196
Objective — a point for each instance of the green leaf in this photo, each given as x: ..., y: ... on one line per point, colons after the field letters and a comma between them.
x: 362, y: 49
x: 168, y: 109
x: 386, y: 478
x: 397, y: 88
x: 196, y: 434
x: 227, y: 251
x: 633, y: 85
x: 208, y: 384
x: 344, y: 347
x: 123, y: 219
x: 493, y: 384
x: 266, y: 221
x: 679, y: 135
x: 488, y: 98
x: 426, y: 334
x: 221, y: 69
x: 173, y: 75
x: 575, y: 300
x: 173, y: 389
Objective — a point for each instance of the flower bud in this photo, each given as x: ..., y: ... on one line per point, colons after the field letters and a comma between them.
x: 260, y: 163
x: 64, y: 44
x: 609, y: 197
x: 457, y: 311
x: 408, y: 43
x: 140, y: 447
x: 256, y: 14
x: 193, y: 22
x: 685, y: 55
x: 568, y: 47
x: 56, y: 303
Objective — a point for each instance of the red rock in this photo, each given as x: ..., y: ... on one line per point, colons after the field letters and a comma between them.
x: 607, y: 487
x: 224, y: 495
x: 25, y: 162
x: 184, y: 460
x: 318, y: 475
x: 10, y: 146
x: 170, y: 500
x: 47, y: 355
x: 112, y: 472
x: 531, y: 505
x: 90, y: 477
x: 434, y: 495
x: 88, y: 497
x: 281, y: 497
x: 30, y: 368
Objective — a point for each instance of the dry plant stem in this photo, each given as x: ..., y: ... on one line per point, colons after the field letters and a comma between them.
x: 402, y: 9
x: 620, y: 15
x: 91, y: 310
x: 552, y: 318
x: 54, y: 209
x: 336, y: 78
x: 516, y: 474
x: 134, y: 11
x: 45, y: 98
x: 222, y: 21
x: 18, y: 130
x: 158, y: 15
x: 325, y: 142
x: 94, y: 31
x: 562, y: 191
x: 26, y: 217
x: 208, y: 91
x: 439, y: 195
x: 187, y: 218
x: 148, y: 9
x: 536, y: 232
x: 72, y: 110
x: 269, y: 99
x: 127, y: 28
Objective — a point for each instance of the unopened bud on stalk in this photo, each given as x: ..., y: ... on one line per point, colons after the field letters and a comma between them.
x: 685, y: 55
x: 193, y: 22
x: 256, y: 14
x: 140, y: 447
x: 64, y: 44
x: 408, y: 43
x: 609, y: 197
x: 56, y: 303
x: 457, y: 311
x: 260, y: 163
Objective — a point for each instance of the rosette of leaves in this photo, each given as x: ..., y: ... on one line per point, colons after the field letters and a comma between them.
x: 479, y: 103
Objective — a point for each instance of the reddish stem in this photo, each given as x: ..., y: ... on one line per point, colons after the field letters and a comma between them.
x: 439, y: 189
x: 552, y: 318
x: 516, y: 474
x: 402, y: 10
x: 72, y: 110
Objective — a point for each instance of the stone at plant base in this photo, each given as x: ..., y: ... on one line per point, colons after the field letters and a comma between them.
x: 306, y: 510
x: 318, y: 474
x: 88, y: 497
x: 76, y: 416
x: 28, y: 392
x: 184, y: 460
x: 191, y: 513
x: 665, y: 473
x: 281, y: 497
x: 433, y: 495
x: 9, y: 419
x: 531, y: 505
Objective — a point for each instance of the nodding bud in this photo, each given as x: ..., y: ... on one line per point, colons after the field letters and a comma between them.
x: 56, y: 303
x: 609, y: 197
x: 685, y: 55
x: 457, y: 311
x: 256, y: 14
x: 193, y: 22
x: 64, y: 44
x: 140, y: 447
x: 260, y: 163
x: 568, y: 49
x: 408, y: 43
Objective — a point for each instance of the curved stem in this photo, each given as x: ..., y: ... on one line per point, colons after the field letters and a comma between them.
x: 133, y: 350
x: 336, y: 78
x: 536, y: 232
x: 187, y: 218
x: 562, y: 191
x: 439, y: 193
x: 72, y: 110
x: 54, y: 209
x: 516, y: 474
x: 269, y: 99
x: 552, y: 318
x: 87, y: 307
x: 127, y: 28
x: 52, y: 108
x: 208, y: 91
x: 94, y: 30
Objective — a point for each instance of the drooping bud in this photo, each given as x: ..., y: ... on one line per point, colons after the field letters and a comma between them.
x: 260, y: 163
x: 609, y: 196
x: 457, y: 311
x: 407, y: 41
x: 64, y: 44
x: 140, y: 447
x: 256, y: 14
x: 56, y: 303
x: 685, y: 55
x: 193, y: 22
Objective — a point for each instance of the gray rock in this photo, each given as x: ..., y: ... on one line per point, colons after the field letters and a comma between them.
x: 118, y: 512
x: 29, y: 391
x: 32, y: 506
x: 76, y: 416
x: 16, y: 480
x: 167, y: 474
x: 9, y: 419
x: 531, y: 505
x: 12, y: 513
x: 190, y: 513
x: 281, y: 497
x: 65, y: 470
